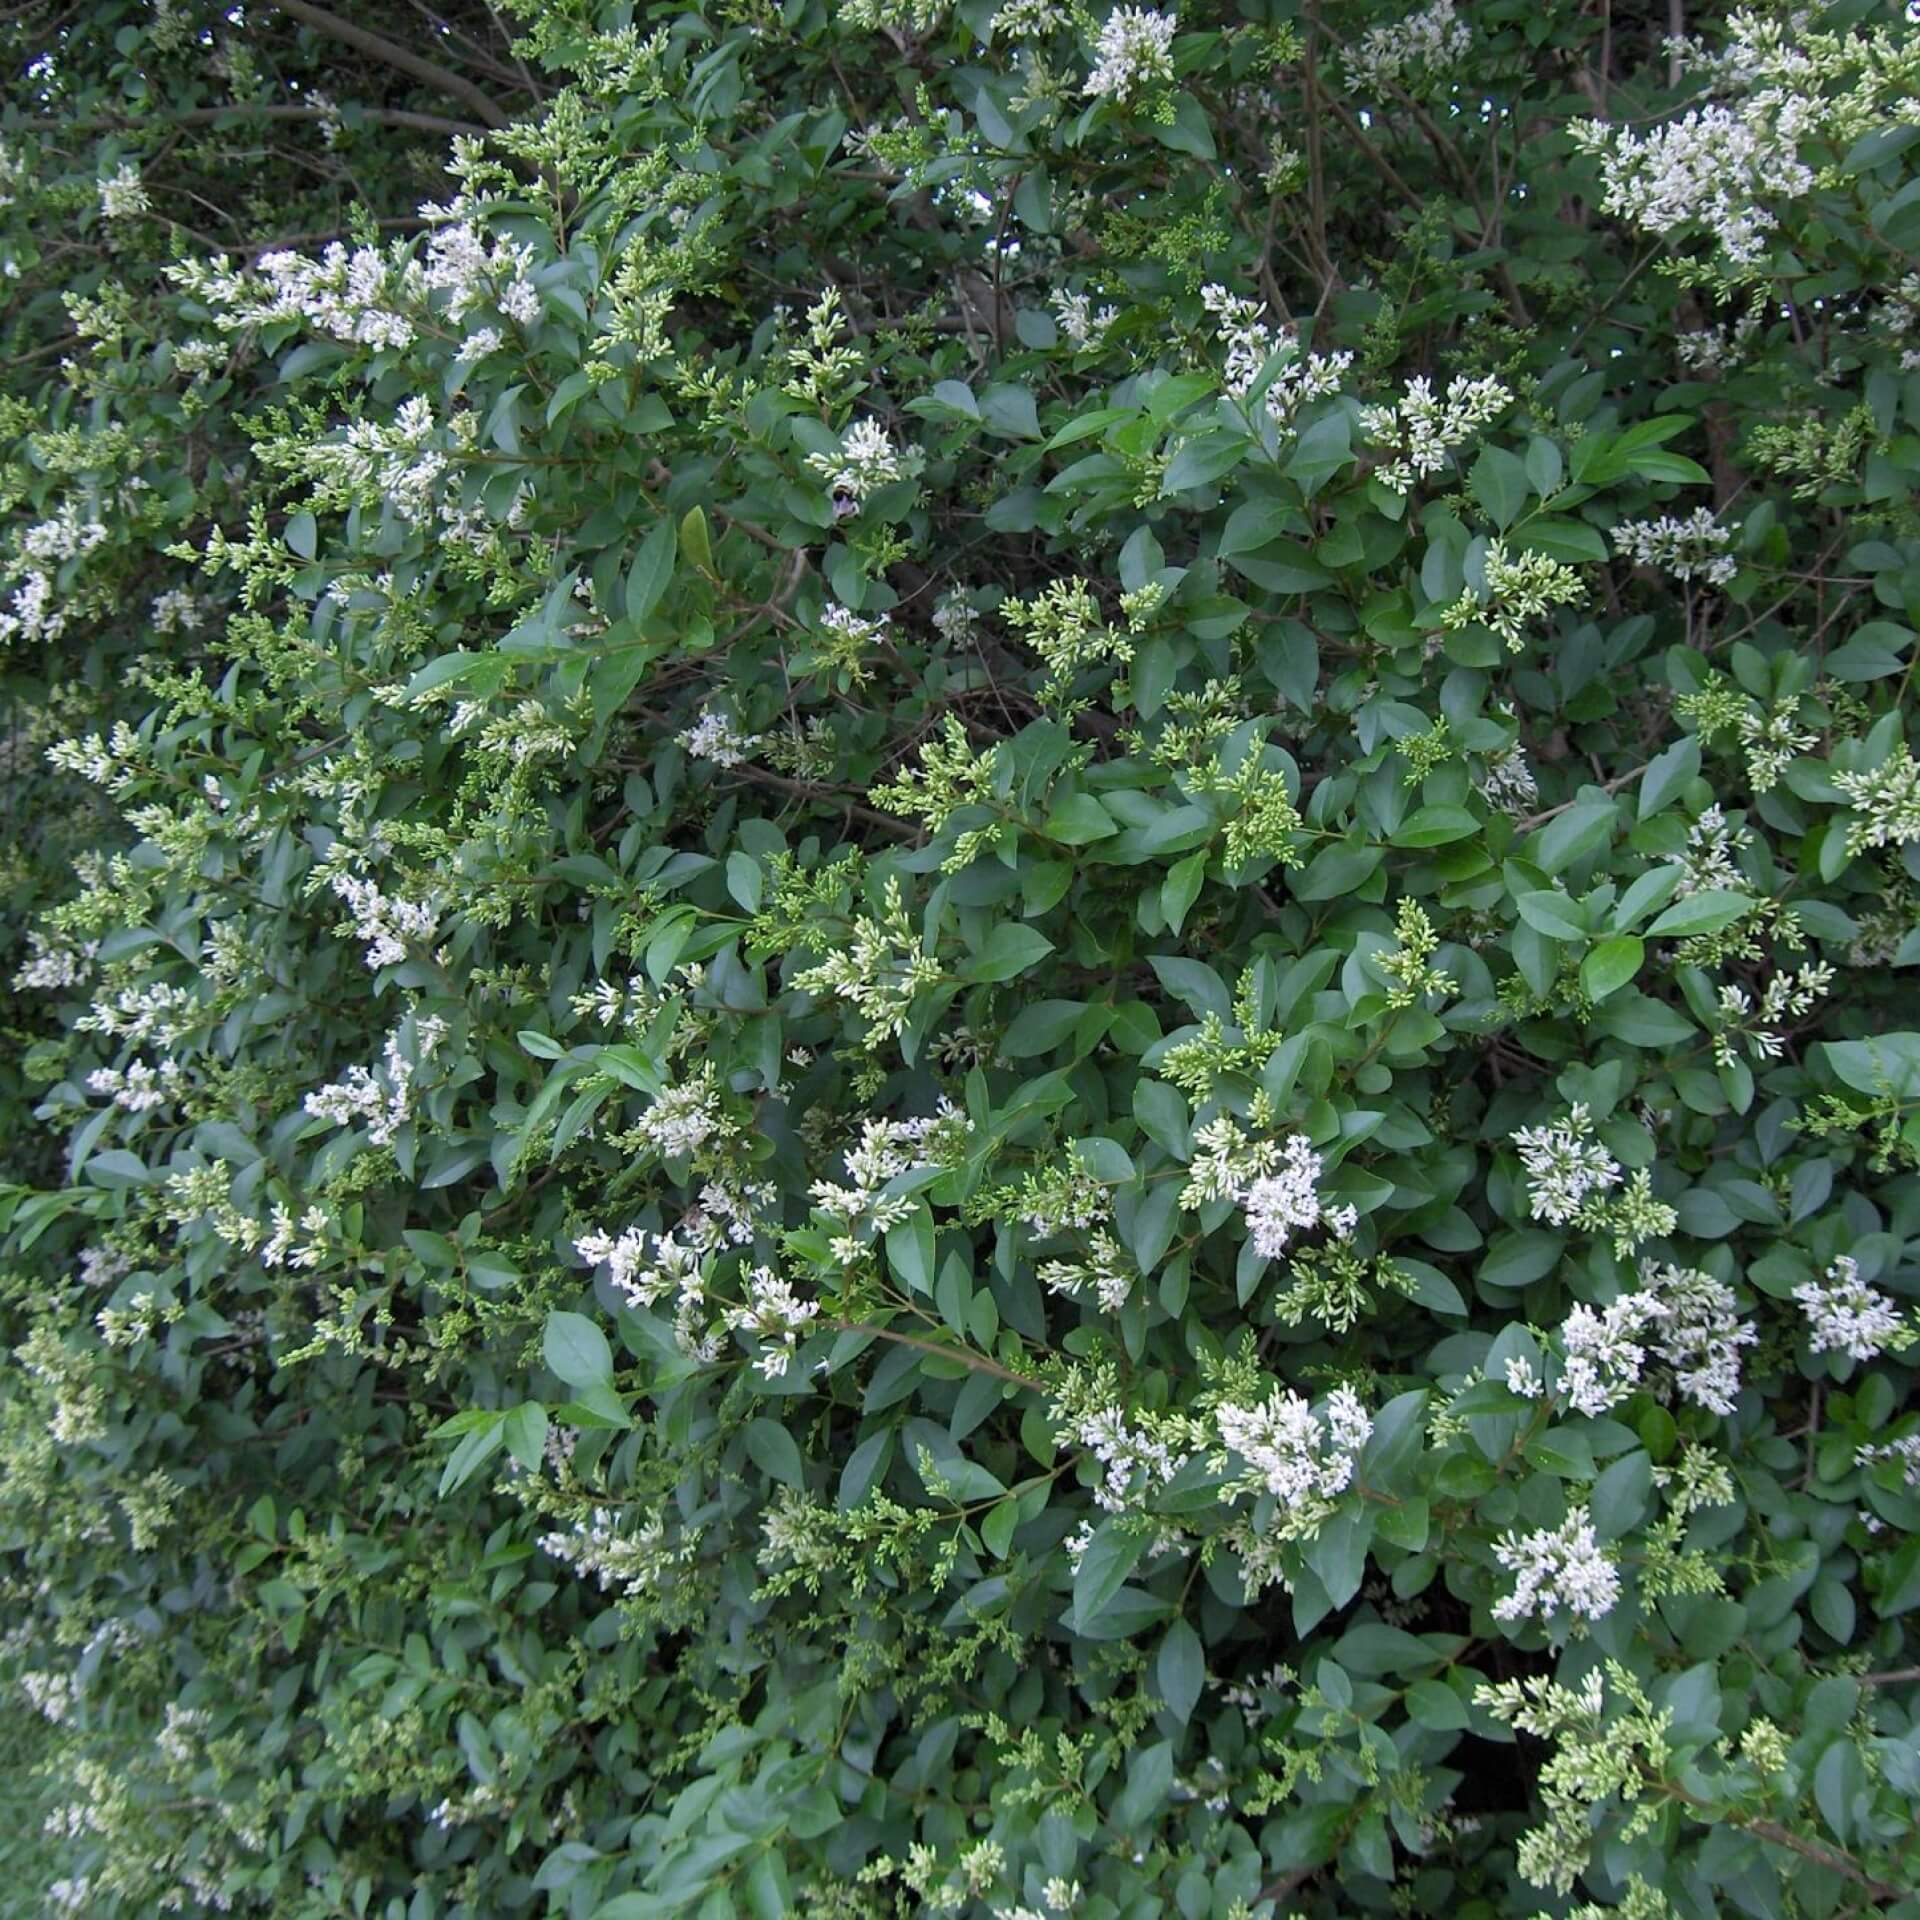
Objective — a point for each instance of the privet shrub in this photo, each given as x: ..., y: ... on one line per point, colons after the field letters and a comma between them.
x: 967, y: 974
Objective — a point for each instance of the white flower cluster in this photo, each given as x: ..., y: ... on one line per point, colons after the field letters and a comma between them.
x: 1888, y: 796
x: 1105, y: 1269
x: 368, y: 298
x: 123, y: 196
x: 351, y: 296
x: 1508, y: 781
x: 1251, y: 343
x: 1027, y: 20
x: 645, y: 1267
x: 1714, y: 166
x: 1287, y: 1201
x: 1848, y: 1316
x: 397, y: 463
x: 1411, y: 53
x: 1905, y: 1450
x: 776, y: 1315
x: 153, y: 1010
x: 1520, y: 588
x: 137, y: 1088
x: 1789, y: 995
x: 622, y: 1563
x: 859, y: 1204
x: 1707, y: 862
x: 1715, y: 350
x: 1425, y: 431
x: 715, y: 737
x: 1277, y: 1184
x: 360, y: 1099
x: 879, y: 971
x: 1303, y: 1459
x: 1693, y: 548
x: 1566, y: 1167
x: 175, y: 611
x: 684, y: 1118
x: 1134, y: 51
x: 954, y: 619
x: 865, y: 461
x: 1557, y: 1567
x: 1684, y: 1317
x: 72, y: 533
x: 1133, y: 1459
x: 1082, y: 327
x: 384, y: 921
x: 853, y: 628
x: 51, y: 964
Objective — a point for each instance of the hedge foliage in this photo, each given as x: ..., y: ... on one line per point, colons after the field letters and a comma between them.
x: 968, y: 971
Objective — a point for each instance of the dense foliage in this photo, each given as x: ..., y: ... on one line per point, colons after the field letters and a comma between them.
x: 968, y: 970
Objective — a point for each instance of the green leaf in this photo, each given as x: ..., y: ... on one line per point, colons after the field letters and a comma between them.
x: 1499, y: 482
x: 1010, y: 950
x: 1611, y: 965
x: 1705, y: 912
x: 472, y: 1454
x: 1437, y: 826
x: 1180, y: 1671
x: 1667, y: 774
x: 577, y: 1350
x: 1110, y: 1556
x: 1583, y: 829
x: 1552, y: 913
x: 1887, y: 1066
x: 1188, y: 131
x: 776, y: 1453
x: 652, y: 571
x: 525, y: 1432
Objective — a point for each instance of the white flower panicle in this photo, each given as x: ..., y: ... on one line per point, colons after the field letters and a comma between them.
x: 859, y: 1206
x: 1411, y: 53
x: 716, y: 737
x: 1715, y: 168
x: 1080, y: 325
x: 384, y: 921
x: 1303, y: 1459
x: 1698, y: 1333
x: 864, y: 462
x: 123, y: 196
x: 776, y: 1315
x: 1287, y: 1201
x: 138, y: 1087
x: 1134, y: 51
x: 1707, y: 862
x: 684, y: 1118
x: 626, y: 1564
x: 1693, y: 548
x: 1251, y: 344
x: 1887, y: 798
x: 1557, y: 1567
x: 361, y: 1100
x: 1848, y: 1316
x: 1680, y: 1316
x: 1566, y: 1167
x: 1425, y: 431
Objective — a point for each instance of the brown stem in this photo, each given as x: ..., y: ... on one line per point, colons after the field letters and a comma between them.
x: 395, y: 55
x: 977, y: 1361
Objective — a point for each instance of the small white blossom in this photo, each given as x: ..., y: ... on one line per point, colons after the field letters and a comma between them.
x: 1565, y: 1167
x: 1695, y: 547
x: 122, y: 194
x: 715, y: 737
x: 1561, y: 1566
x: 1134, y: 51
x: 1847, y: 1315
